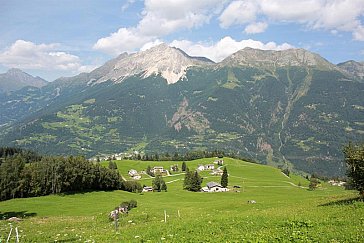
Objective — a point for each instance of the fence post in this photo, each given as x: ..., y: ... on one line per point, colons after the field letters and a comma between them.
x: 11, y: 230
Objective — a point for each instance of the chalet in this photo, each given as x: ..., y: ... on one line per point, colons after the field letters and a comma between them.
x: 209, y: 167
x: 132, y: 172
x: 201, y: 168
x: 137, y: 177
x: 217, y: 172
x: 158, y: 169
x: 219, y: 162
x: 147, y: 189
x: 214, y: 187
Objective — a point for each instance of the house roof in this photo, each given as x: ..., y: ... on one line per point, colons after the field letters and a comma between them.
x: 212, y: 184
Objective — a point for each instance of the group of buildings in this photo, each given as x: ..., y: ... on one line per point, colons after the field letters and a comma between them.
x: 210, y: 186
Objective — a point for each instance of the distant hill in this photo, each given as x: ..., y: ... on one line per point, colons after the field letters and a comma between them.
x: 15, y: 79
x: 354, y: 68
x: 279, y: 107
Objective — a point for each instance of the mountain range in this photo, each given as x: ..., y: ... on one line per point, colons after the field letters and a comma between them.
x: 288, y: 107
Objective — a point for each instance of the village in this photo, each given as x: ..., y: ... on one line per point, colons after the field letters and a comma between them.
x: 214, y: 169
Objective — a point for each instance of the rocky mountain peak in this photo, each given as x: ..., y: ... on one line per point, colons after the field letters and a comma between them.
x: 290, y: 57
x: 171, y: 63
x: 15, y: 79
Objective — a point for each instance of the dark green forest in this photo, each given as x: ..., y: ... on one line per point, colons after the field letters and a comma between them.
x: 26, y: 174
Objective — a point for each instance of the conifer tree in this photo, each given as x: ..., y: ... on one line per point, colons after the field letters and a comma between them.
x: 187, y: 180
x: 224, y: 178
x: 196, y: 182
x: 184, y: 167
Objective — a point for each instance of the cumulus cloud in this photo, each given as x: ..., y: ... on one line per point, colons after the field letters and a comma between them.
x: 332, y: 15
x: 28, y: 55
x: 238, y: 12
x: 359, y: 33
x: 125, y: 39
x: 255, y: 28
x: 160, y: 18
x: 224, y: 47
x: 151, y: 44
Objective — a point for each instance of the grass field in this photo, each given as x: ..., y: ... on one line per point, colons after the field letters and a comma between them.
x: 284, y: 212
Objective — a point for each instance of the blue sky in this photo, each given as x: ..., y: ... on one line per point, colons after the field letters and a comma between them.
x: 53, y: 38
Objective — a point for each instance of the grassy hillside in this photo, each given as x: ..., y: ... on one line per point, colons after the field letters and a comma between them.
x: 283, y: 212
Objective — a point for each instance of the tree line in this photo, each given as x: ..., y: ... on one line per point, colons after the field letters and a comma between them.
x: 189, y: 156
x: 21, y: 177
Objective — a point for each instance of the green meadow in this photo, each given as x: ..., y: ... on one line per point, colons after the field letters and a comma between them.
x: 284, y: 211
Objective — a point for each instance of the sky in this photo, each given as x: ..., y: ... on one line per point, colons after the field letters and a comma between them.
x: 54, y: 38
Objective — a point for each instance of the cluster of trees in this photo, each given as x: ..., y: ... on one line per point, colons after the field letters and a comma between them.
x: 354, y: 159
x: 21, y: 177
x: 314, y: 183
x: 158, y: 184
x: 8, y: 152
x: 192, y: 181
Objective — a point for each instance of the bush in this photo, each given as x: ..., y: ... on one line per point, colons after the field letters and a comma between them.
x: 132, y: 186
x: 130, y: 204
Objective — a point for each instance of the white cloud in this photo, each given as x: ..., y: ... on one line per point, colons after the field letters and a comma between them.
x: 238, y: 12
x: 28, y: 55
x: 123, y: 40
x: 332, y: 15
x: 224, y: 47
x: 127, y: 5
x: 358, y: 34
x: 255, y: 28
x: 160, y: 18
x: 286, y: 10
x: 151, y: 44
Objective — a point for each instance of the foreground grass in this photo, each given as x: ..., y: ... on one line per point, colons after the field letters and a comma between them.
x: 283, y: 212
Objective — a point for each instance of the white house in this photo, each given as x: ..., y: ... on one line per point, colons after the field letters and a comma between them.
x: 217, y: 172
x: 214, y: 187
x: 209, y: 167
x: 132, y: 172
x: 201, y: 168
x: 147, y: 189
x: 158, y: 169
x: 137, y: 177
